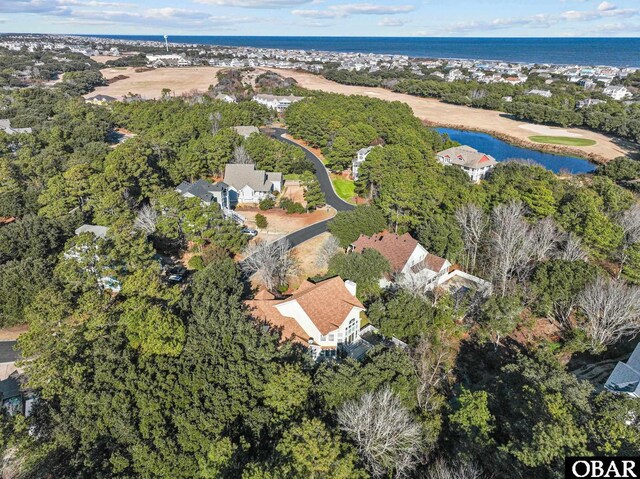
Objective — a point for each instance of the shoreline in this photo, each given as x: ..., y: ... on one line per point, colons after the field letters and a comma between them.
x: 530, y: 145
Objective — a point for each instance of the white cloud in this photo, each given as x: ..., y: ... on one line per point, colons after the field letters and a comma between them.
x: 256, y: 3
x: 392, y: 22
x: 94, y: 3
x: 604, y: 10
x: 340, y: 11
x: 48, y: 7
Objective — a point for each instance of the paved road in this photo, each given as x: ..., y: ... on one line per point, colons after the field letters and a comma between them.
x: 7, y: 353
x: 321, y: 173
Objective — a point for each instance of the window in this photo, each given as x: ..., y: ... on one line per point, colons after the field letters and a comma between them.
x: 331, y: 337
x: 352, y: 331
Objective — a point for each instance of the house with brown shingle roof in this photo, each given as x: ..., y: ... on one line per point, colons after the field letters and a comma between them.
x: 322, y: 316
x: 405, y: 255
x: 474, y: 163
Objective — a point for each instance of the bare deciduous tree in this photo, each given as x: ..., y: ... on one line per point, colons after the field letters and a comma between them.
x: 611, y: 309
x: 571, y: 249
x: 543, y: 236
x: 272, y: 263
x: 509, y: 238
x: 472, y: 222
x: 629, y: 220
x: 215, y: 119
x: 327, y: 251
x: 385, y: 433
x: 461, y: 470
x: 432, y: 362
x: 146, y: 219
x: 241, y: 156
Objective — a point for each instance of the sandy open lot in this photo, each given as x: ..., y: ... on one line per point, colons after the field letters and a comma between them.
x: 307, y: 255
x: 104, y: 58
x: 149, y: 84
x: 440, y: 113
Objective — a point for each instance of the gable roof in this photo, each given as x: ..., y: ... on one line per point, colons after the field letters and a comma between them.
x: 246, y: 131
x: 626, y: 376
x: 430, y: 262
x: 468, y: 157
x: 397, y: 249
x: 201, y: 189
x: 327, y: 303
x: 98, y: 231
x: 239, y: 176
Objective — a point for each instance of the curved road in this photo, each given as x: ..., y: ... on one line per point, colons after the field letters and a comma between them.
x: 304, y: 234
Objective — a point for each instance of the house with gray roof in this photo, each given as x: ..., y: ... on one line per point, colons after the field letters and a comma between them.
x: 474, y: 163
x: 248, y: 185
x: 98, y: 231
x: 361, y: 155
x: 625, y: 378
x: 206, y: 191
x: 277, y: 102
x: 5, y: 125
x: 246, y: 131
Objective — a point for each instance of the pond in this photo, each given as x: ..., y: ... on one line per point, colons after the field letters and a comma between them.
x: 501, y: 151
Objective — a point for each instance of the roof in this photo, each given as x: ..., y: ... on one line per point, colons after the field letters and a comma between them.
x: 327, y: 303
x: 201, y: 189
x: 101, y: 98
x: 265, y: 97
x: 98, y: 231
x: 467, y: 156
x: 246, y: 131
x: 239, y: 176
x: 9, y: 130
x: 430, y: 262
x: 397, y: 249
x: 364, y: 151
x: 626, y: 376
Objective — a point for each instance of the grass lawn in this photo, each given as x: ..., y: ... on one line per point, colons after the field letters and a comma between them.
x: 346, y: 189
x: 292, y: 176
x: 562, y: 140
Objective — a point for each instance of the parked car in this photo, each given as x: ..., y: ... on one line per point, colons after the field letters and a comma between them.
x: 176, y: 278
x: 250, y: 232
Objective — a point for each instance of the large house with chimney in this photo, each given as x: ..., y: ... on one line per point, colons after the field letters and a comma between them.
x: 474, y: 163
x: 322, y: 316
x: 411, y: 262
x: 277, y: 102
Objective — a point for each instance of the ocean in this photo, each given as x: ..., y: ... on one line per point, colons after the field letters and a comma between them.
x: 619, y: 52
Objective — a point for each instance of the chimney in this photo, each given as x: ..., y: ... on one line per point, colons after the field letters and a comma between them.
x: 351, y: 286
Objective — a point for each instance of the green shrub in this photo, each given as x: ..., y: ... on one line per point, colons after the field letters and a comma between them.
x: 261, y: 221
x: 267, y: 204
x: 291, y: 206
x: 197, y: 263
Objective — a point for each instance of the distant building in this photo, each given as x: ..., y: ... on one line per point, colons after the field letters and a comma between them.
x: 322, y: 316
x: 589, y: 102
x: 5, y: 125
x: 226, y: 98
x: 617, y: 92
x: 97, y: 231
x: 543, y: 93
x: 246, y: 131
x: 14, y: 398
x: 248, y: 185
x: 169, y: 60
x: 275, y: 102
x: 474, y: 163
x: 625, y: 378
x: 100, y: 99
x: 361, y: 155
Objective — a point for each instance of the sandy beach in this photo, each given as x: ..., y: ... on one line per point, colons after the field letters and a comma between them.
x: 150, y: 83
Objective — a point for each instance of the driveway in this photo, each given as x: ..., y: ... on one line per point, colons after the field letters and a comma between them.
x: 7, y: 353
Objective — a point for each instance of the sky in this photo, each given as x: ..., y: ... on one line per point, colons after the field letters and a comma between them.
x: 429, y: 18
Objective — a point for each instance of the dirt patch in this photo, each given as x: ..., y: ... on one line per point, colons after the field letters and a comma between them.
x: 104, y: 58
x: 294, y: 191
x: 11, y: 333
x: 438, y: 113
x: 307, y: 255
x: 279, y: 223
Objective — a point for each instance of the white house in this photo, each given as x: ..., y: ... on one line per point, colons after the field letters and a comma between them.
x: 226, y: 98
x: 361, y: 155
x: 321, y: 316
x: 543, y: 93
x: 5, y: 125
x: 625, y: 377
x: 475, y: 164
x: 248, y: 185
x: 617, y: 92
x: 589, y: 102
x: 277, y: 102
